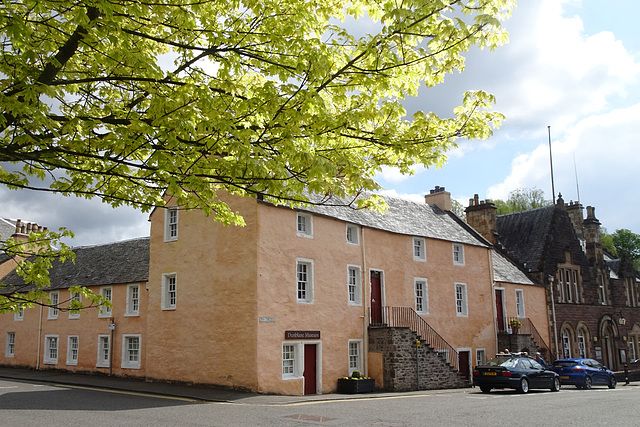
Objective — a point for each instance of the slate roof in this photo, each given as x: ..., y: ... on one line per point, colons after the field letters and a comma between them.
x: 405, y: 217
x: 505, y: 271
x: 113, y: 263
x: 524, y: 234
x: 7, y: 228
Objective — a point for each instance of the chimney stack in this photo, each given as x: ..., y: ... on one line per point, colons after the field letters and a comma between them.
x: 591, y: 227
x: 481, y: 216
x: 439, y: 197
x: 575, y: 213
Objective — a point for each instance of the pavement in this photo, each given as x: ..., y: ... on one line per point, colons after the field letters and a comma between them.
x: 186, y: 391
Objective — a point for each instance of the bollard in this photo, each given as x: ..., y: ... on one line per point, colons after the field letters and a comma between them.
x: 626, y: 374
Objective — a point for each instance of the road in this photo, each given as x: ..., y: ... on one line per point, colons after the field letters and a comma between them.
x: 32, y: 404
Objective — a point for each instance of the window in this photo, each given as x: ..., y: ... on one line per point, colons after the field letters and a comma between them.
x: 481, y: 356
x: 582, y: 348
x: 520, y: 303
x: 54, y: 298
x: 355, y: 356
x: 569, y: 285
x: 133, y: 300
x: 461, y: 299
x: 353, y: 284
x: 419, y: 253
x: 304, y: 273
x: 602, y: 290
x: 103, y: 351
x: 353, y: 234
x: 566, y: 344
x: 169, y: 291
x: 50, y: 349
x: 131, y: 351
x: 458, y: 254
x: 305, y: 225
x: 633, y: 347
x: 10, y: 348
x: 288, y: 361
x: 106, y: 292
x: 422, y: 296
x: 171, y: 224
x: 19, y: 315
x: 75, y: 296
x: 630, y: 289
x: 72, y: 350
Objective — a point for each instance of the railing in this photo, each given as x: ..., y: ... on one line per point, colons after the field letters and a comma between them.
x: 406, y: 317
x: 528, y: 328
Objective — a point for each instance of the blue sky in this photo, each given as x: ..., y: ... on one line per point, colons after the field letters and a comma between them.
x: 572, y: 65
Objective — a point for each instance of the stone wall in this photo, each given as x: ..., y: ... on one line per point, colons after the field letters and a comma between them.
x: 398, y: 348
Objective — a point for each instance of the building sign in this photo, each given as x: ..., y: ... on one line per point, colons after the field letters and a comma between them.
x: 301, y: 335
x: 267, y: 319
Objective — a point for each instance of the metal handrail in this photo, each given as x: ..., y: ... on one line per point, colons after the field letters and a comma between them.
x: 528, y: 328
x: 407, y: 317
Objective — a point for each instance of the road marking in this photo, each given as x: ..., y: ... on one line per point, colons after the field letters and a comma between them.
x: 130, y: 393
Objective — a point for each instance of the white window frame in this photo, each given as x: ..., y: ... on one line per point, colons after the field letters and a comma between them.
x: 54, y: 298
x: 18, y: 316
x: 566, y: 344
x: 171, y: 222
x: 422, y: 299
x: 304, y: 225
x: 355, y: 356
x: 72, y: 358
x: 582, y: 343
x: 133, y: 304
x: 107, y: 293
x: 127, y: 363
x: 74, y: 296
x: 102, y: 360
x: 290, y: 360
x: 461, y: 299
x: 520, y: 312
x: 458, y: 249
x: 419, y: 249
x: 481, y: 356
x: 308, y: 290
x: 166, y: 297
x: 10, y: 345
x: 51, y: 349
x: 353, y: 234
x: 354, y: 285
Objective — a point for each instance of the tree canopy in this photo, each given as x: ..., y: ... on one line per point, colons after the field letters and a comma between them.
x: 623, y: 241
x: 521, y: 199
x: 129, y: 100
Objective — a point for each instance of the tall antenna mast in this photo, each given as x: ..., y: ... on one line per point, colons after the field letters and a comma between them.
x: 575, y: 169
x: 553, y: 189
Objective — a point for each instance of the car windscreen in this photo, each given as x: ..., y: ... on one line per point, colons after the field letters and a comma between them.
x: 501, y: 361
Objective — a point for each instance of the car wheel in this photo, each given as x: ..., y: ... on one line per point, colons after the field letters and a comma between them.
x: 556, y: 385
x: 613, y: 382
x: 587, y: 383
x: 485, y: 388
x: 524, y: 386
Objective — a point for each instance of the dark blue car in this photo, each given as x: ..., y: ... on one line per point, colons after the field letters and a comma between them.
x: 516, y: 372
x: 584, y: 373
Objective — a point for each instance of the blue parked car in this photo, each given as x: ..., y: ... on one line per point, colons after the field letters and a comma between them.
x: 584, y: 373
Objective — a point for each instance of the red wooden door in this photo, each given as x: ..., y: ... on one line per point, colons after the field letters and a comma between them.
x: 463, y: 364
x: 376, y: 298
x: 309, y: 369
x: 499, y: 310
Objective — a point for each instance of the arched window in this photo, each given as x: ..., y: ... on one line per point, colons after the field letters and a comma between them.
x: 566, y: 344
x: 582, y: 344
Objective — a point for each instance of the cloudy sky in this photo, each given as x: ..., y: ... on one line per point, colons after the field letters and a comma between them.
x: 572, y: 65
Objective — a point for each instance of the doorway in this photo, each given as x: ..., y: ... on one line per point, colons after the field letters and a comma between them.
x: 310, y: 373
x: 376, y: 297
x: 464, y: 363
x: 500, y: 310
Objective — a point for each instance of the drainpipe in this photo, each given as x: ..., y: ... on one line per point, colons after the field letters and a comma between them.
x: 365, y: 318
x: 494, y: 310
x: 553, y: 311
x: 39, y: 338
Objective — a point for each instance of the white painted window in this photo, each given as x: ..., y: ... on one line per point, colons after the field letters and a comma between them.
x: 304, y: 224
x: 422, y: 296
x: 304, y: 281
x: 353, y: 234
x: 73, y: 344
x: 104, y: 350
x: 481, y: 356
x: 133, y: 300
x: 419, y: 252
x: 171, y: 224
x: 520, y: 303
x: 458, y: 254
x: 131, y: 347
x: 582, y: 344
x: 106, y: 292
x: 10, y: 348
x: 169, y: 290
x: 19, y: 315
x: 461, y: 300
x: 355, y: 356
x: 54, y: 298
x: 50, y: 349
x: 75, y: 296
x: 353, y: 284
x: 288, y: 361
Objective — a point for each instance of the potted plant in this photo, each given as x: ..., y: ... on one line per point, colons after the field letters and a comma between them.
x: 515, y: 325
x: 355, y: 384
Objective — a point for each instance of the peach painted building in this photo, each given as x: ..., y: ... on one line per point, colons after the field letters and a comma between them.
x: 287, y: 303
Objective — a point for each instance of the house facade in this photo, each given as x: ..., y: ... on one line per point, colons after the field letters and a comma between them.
x: 294, y: 300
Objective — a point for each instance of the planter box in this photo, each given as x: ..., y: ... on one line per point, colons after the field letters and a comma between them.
x: 351, y: 386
